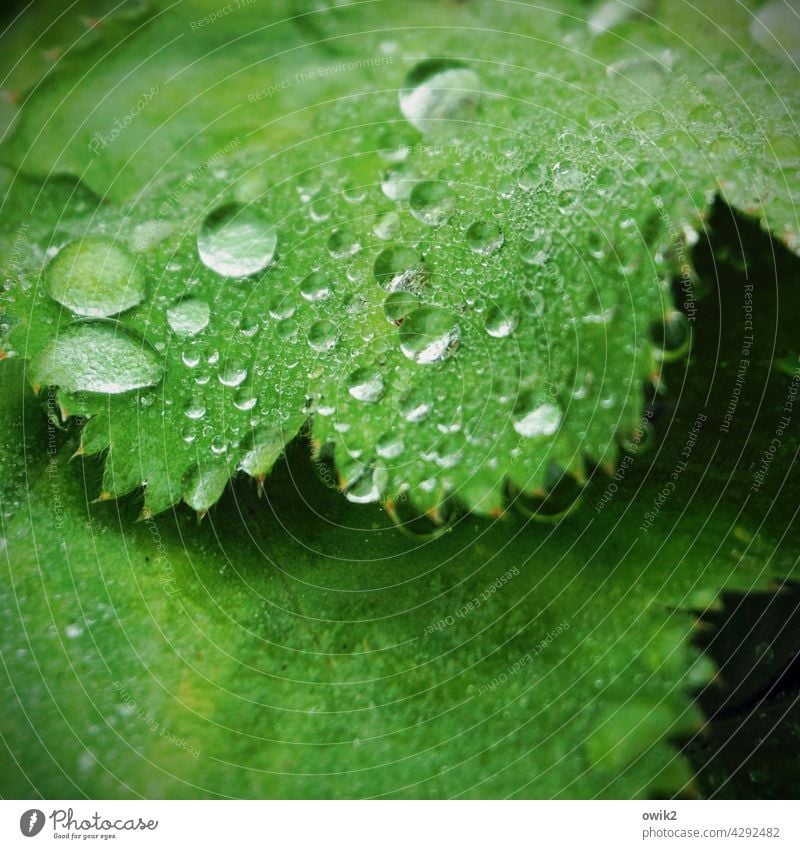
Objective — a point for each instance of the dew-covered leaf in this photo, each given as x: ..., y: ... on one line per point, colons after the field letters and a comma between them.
x: 454, y: 256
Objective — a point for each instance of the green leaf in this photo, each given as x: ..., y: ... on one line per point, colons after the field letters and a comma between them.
x: 297, y: 645
x: 460, y: 249
x: 304, y: 648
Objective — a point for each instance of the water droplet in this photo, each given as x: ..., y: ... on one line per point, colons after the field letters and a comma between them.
x: 232, y: 374
x: 533, y: 174
x: 415, y: 406
x: 387, y: 226
x: 95, y: 277
x: 399, y: 304
x: 99, y: 356
x: 534, y: 247
x: 282, y: 306
x: 245, y: 399
x: 322, y: 335
x: 429, y: 335
x: 566, y: 176
x: 397, y: 183
x: 390, y: 446
x: 364, y: 484
x: 219, y: 444
x: 561, y: 496
x: 195, y: 409
x: 343, y: 243
x: 439, y: 91
x: 484, y: 237
x: 315, y: 287
x: 366, y: 384
x: 399, y: 268
x: 432, y: 202
x: 191, y: 356
x: 189, y: 316
x: 672, y: 337
x: 287, y: 329
x: 236, y: 240
x: 542, y: 420
x: 501, y: 323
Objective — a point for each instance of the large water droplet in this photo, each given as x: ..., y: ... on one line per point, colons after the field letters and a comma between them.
x: 438, y: 91
x: 399, y: 268
x: 542, y: 420
x: 189, y: 316
x: 432, y: 202
x: 366, y: 384
x: 97, y: 356
x: 95, y: 277
x: 429, y: 335
x: 236, y: 240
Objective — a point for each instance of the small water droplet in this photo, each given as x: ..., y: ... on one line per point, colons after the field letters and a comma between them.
x: 387, y: 226
x: 396, y: 183
x: 399, y: 268
x: 366, y: 384
x: 432, y: 202
x: 364, y: 484
x: 501, y: 323
x: 245, y: 399
x: 287, y: 329
x: 415, y: 406
x: 390, y: 446
x: 322, y: 335
x: 95, y: 277
x: 343, y: 243
x: 232, y: 374
x: 218, y: 444
x: 189, y: 316
x: 282, y: 306
x: 236, y: 240
x: 532, y: 175
x: 484, y: 237
x: 399, y: 304
x: 429, y: 335
x: 672, y: 337
x: 195, y: 409
x: 315, y: 287
x: 542, y: 420
x: 534, y: 247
